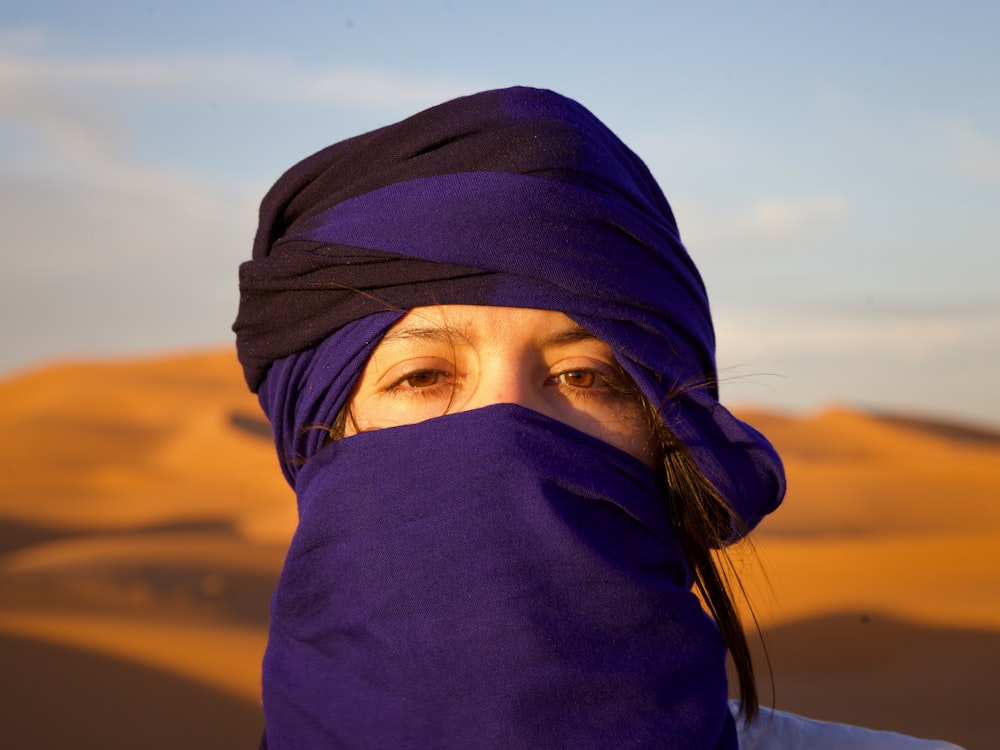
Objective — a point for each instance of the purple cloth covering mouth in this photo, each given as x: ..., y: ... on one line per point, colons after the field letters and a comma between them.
x: 488, y: 579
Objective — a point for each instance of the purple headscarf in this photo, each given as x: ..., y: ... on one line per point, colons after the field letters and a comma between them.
x: 474, y: 594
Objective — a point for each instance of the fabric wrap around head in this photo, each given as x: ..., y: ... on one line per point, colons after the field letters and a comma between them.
x: 516, y: 197
x: 491, y: 578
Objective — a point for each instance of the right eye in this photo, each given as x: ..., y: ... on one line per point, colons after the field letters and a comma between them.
x: 421, y: 379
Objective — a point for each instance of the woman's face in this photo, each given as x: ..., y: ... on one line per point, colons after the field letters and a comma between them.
x: 452, y: 358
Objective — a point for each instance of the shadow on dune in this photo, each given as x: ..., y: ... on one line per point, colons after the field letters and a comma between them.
x: 17, y: 534
x: 952, y: 430
x: 884, y: 673
x: 58, y: 697
x: 182, y: 586
x: 251, y: 425
x: 860, y: 669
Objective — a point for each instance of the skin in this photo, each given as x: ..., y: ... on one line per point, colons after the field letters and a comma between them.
x: 452, y: 358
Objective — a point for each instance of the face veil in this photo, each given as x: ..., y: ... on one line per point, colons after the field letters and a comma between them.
x: 517, y: 198
x: 462, y: 583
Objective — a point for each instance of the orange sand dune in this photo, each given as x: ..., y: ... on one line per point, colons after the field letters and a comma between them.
x: 878, y: 671
x: 853, y: 473
x: 948, y: 579
x: 57, y: 696
x: 225, y: 658
x: 881, y: 515
x: 143, y: 518
x: 134, y: 443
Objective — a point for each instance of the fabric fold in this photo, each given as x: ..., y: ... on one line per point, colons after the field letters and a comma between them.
x: 463, y: 582
x: 518, y: 197
x: 491, y: 578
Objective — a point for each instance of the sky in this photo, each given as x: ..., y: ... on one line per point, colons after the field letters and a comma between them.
x: 834, y: 167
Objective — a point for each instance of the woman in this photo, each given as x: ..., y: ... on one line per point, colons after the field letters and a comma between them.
x: 489, y: 365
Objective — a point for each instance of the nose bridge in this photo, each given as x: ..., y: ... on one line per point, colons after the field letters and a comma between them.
x: 505, y: 380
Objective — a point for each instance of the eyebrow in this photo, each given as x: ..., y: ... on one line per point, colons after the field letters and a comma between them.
x: 447, y: 334
x: 568, y: 336
x: 421, y: 333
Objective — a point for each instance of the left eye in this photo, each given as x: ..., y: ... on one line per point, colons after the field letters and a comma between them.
x: 421, y: 379
x: 576, y: 378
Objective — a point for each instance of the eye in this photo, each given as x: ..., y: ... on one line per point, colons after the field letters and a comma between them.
x: 593, y: 381
x: 578, y: 379
x: 420, y: 379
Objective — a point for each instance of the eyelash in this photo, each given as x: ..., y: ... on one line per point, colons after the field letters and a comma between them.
x: 606, y: 386
x: 598, y: 380
x: 398, y: 387
x: 603, y: 385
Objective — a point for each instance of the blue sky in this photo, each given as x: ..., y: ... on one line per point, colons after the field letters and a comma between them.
x: 835, y: 167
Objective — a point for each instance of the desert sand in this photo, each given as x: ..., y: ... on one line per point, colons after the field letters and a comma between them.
x: 143, y: 521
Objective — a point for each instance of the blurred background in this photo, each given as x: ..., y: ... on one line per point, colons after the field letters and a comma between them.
x: 835, y: 171
x: 835, y: 167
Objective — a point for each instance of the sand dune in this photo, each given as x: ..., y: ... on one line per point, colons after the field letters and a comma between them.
x: 71, y: 698
x: 143, y: 520
x: 851, y: 473
x: 882, y: 515
x: 138, y: 443
x: 879, y: 671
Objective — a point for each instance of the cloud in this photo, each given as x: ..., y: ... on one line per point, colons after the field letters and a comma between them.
x: 970, y: 151
x: 53, y: 134
x: 145, y: 261
x: 28, y: 62
x: 103, y: 251
x: 70, y: 156
x: 360, y: 87
x: 928, y: 364
x: 787, y: 221
x: 22, y: 39
x: 913, y: 339
x: 768, y: 226
x: 106, y: 251
x: 80, y: 152
x: 78, y: 116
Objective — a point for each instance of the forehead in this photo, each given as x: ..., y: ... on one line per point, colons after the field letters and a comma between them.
x: 478, y: 324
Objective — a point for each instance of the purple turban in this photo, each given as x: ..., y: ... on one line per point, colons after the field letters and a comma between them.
x: 428, y: 600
